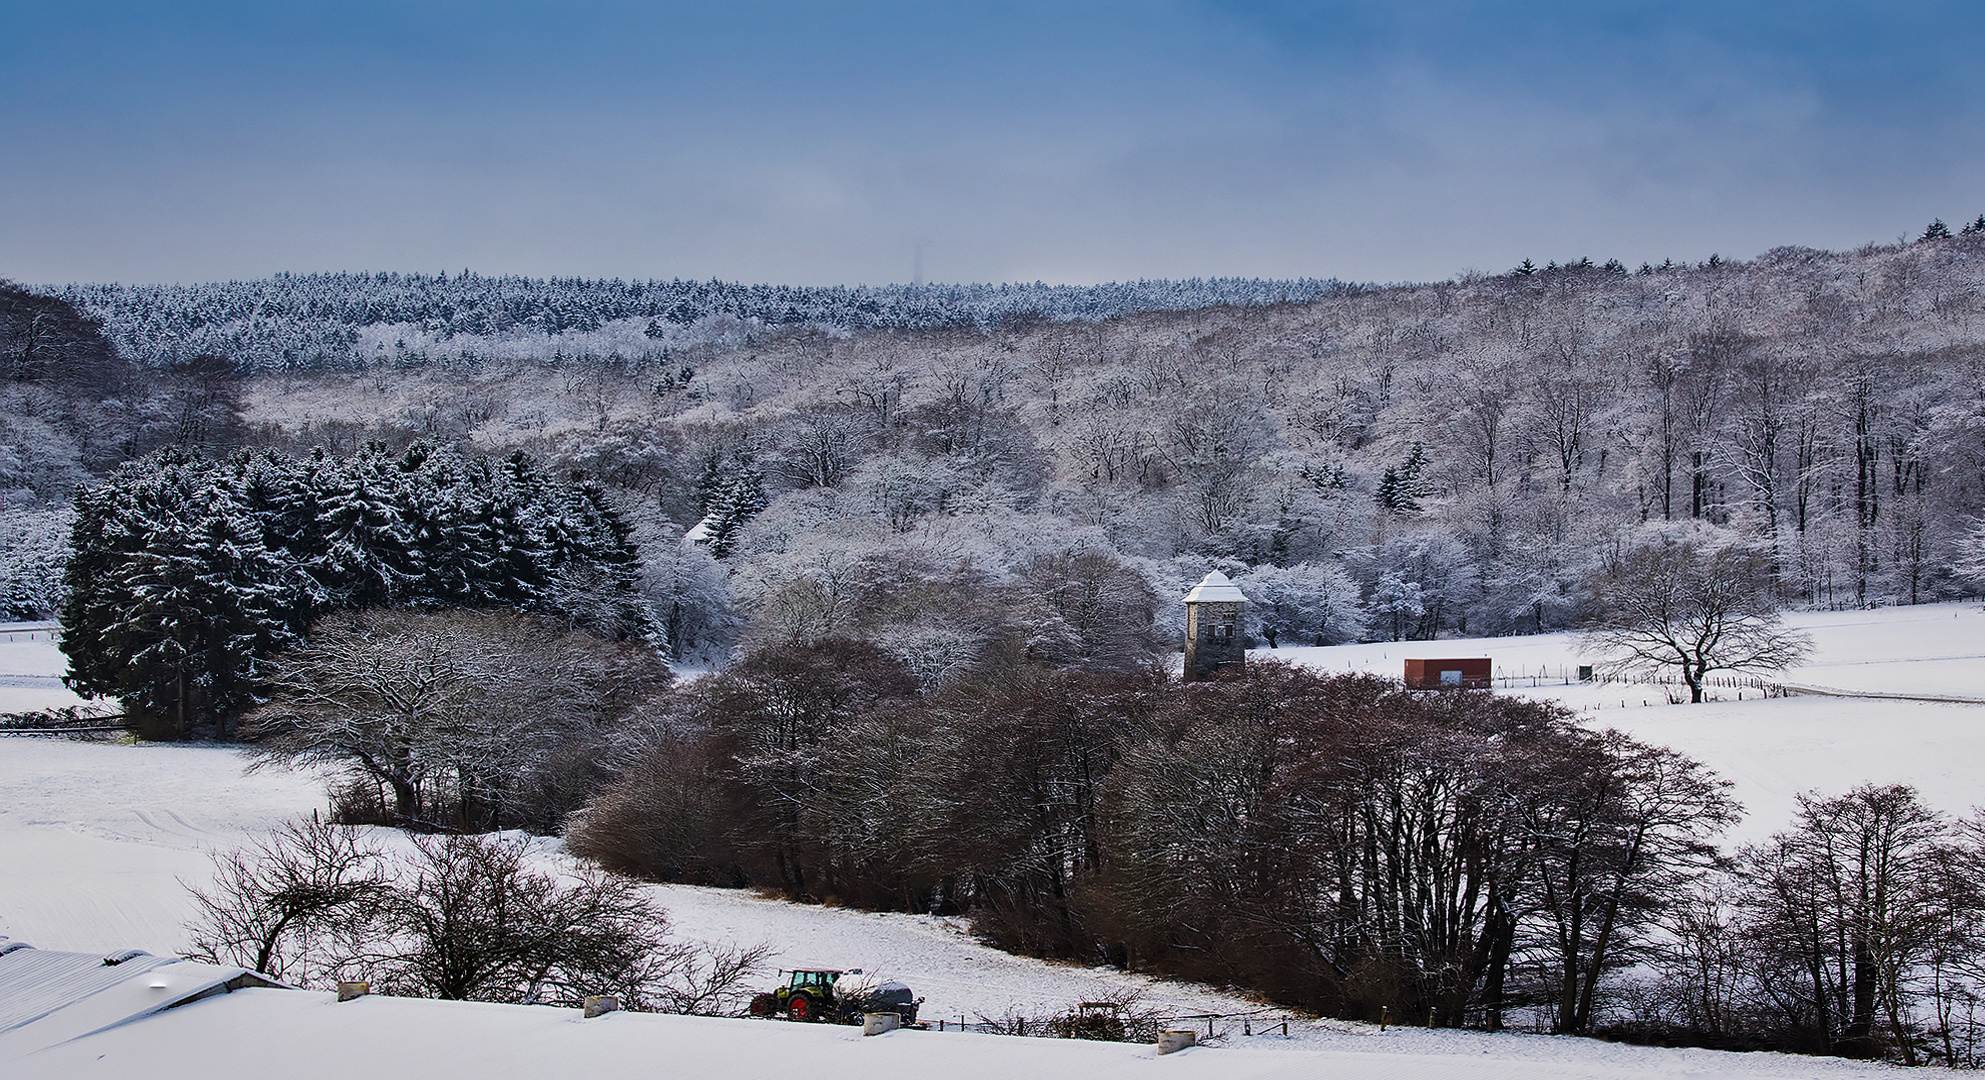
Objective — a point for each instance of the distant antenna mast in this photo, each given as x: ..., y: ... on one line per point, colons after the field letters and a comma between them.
x: 917, y: 270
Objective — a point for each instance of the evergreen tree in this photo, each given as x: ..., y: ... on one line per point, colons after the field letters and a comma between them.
x: 1401, y: 489
x: 369, y: 558
x: 738, y: 500
x: 186, y: 573
x: 173, y: 596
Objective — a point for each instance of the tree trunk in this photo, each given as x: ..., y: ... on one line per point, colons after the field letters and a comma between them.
x: 1501, y: 930
x: 406, y: 801
x: 1859, y: 1039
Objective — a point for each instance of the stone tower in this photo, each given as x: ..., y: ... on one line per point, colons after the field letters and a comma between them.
x: 1213, y: 637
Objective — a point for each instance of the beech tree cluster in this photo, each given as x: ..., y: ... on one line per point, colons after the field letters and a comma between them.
x: 1452, y: 859
x: 1335, y: 842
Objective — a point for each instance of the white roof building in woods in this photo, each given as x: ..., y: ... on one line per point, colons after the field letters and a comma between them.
x: 1215, y: 637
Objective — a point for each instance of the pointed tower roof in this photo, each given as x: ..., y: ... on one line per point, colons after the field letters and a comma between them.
x: 1217, y: 587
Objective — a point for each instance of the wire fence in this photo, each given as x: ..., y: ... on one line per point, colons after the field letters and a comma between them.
x: 1127, y: 1027
x: 59, y: 723
x: 24, y: 632
x: 1566, y: 676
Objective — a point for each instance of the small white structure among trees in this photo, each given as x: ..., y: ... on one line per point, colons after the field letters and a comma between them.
x: 1696, y: 598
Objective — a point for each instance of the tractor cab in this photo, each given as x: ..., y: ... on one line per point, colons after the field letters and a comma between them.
x: 822, y: 980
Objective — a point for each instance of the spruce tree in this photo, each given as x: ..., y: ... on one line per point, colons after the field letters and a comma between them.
x: 186, y: 573
x: 738, y: 500
x: 1401, y: 489
x: 173, y: 596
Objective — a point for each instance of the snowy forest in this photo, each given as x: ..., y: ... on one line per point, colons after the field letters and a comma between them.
x: 1369, y: 462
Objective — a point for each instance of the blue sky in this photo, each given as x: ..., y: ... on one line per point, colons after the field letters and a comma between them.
x: 827, y: 142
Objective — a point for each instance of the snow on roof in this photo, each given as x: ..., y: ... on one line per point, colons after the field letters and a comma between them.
x: 1215, y: 587
x: 702, y: 532
x: 48, y: 998
x: 306, y: 1035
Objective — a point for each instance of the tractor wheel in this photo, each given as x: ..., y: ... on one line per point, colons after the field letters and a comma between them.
x: 764, y: 1005
x: 802, y: 1008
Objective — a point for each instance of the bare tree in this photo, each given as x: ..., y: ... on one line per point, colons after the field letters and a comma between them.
x: 821, y: 447
x: 460, y: 917
x: 1695, y: 598
x: 1622, y: 831
x: 492, y: 710
x: 287, y: 904
x: 1847, y: 909
x: 475, y: 921
x: 1970, y: 551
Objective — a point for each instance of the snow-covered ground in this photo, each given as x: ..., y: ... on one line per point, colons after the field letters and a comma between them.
x: 96, y: 841
x: 31, y: 667
x: 1936, y: 649
x: 298, y: 1034
x: 1773, y: 749
x: 95, y: 838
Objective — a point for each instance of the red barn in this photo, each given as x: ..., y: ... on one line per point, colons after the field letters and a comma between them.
x: 1471, y: 674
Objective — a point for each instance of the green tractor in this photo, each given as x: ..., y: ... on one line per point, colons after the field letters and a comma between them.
x: 831, y: 994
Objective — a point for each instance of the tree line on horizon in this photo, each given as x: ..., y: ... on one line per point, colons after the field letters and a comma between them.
x: 1462, y: 458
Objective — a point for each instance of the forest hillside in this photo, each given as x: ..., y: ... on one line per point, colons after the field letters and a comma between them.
x: 1371, y: 462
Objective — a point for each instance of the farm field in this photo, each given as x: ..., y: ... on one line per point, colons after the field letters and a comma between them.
x: 1773, y: 749
x: 99, y: 841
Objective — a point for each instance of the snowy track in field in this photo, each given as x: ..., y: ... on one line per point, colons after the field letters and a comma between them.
x: 95, y: 839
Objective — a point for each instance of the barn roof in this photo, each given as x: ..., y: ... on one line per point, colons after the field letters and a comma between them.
x: 1216, y: 586
x: 48, y: 998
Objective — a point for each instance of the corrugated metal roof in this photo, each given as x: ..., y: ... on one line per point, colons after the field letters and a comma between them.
x: 49, y: 997
x: 34, y: 982
x: 1215, y: 587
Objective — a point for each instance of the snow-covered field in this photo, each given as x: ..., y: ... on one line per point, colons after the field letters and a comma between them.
x: 277, y: 1033
x: 31, y: 667
x: 97, y: 839
x: 1773, y: 749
